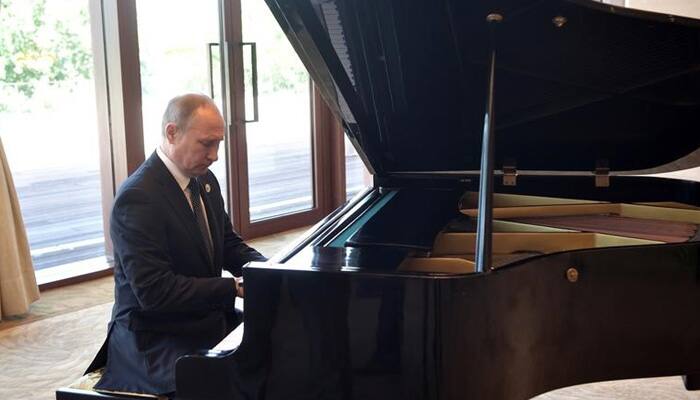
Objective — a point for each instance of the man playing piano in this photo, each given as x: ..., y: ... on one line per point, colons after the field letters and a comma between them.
x: 171, y: 237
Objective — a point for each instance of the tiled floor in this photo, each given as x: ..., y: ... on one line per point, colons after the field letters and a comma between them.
x: 52, y: 345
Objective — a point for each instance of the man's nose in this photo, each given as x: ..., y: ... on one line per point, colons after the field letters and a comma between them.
x: 213, y: 155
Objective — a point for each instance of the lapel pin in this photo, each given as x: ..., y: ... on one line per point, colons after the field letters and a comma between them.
x: 207, y: 187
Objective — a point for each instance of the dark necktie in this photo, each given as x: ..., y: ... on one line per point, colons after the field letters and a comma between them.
x: 199, y: 215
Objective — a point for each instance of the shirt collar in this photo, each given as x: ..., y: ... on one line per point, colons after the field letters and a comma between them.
x: 181, y: 179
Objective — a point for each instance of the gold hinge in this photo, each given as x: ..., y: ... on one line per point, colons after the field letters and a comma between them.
x: 510, y: 173
x: 602, y: 174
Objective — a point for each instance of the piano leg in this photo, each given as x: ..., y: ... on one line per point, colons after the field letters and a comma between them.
x: 692, y: 381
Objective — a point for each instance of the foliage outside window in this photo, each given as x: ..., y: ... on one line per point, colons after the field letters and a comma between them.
x: 41, y: 50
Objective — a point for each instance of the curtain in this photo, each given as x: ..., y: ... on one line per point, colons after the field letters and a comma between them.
x: 18, y: 287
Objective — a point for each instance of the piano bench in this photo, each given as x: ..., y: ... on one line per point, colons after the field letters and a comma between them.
x: 83, y: 394
x: 82, y: 388
x: 68, y: 393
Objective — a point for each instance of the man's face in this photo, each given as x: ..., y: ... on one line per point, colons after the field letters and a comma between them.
x: 193, y: 148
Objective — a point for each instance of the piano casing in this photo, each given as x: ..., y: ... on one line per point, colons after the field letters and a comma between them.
x: 385, y: 299
x: 585, y: 96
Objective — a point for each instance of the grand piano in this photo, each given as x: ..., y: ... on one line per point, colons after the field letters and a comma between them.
x: 510, y: 244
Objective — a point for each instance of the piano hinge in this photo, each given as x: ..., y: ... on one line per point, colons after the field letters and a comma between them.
x: 602, y: 174
x: 510, y: 173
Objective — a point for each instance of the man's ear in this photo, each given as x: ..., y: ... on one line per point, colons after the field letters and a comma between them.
x: 170, y: 132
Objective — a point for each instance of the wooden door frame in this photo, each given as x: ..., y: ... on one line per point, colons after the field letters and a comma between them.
x: 326, y: 144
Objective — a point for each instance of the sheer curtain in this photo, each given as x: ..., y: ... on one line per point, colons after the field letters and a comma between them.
x: 18, y: 287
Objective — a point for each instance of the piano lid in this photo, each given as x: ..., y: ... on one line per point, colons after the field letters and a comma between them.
x: 578, y: 83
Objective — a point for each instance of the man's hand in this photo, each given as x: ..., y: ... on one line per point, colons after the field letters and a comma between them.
x: 239, y: 287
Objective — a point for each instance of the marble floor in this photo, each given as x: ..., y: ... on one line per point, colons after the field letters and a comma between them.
x: 52, y: 345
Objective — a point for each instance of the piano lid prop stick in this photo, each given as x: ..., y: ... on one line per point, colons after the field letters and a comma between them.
x: 485, y: 215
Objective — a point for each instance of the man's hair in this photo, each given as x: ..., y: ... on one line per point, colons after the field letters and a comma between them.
x: 181, y: 108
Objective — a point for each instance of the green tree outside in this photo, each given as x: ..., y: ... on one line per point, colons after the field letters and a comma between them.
x: 38, y: 48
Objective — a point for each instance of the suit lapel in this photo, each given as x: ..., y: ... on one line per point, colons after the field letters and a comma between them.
x: 179, y: 204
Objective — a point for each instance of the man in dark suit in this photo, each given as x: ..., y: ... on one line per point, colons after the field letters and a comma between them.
x: 172, y: 237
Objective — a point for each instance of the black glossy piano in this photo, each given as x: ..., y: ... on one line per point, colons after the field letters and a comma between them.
x: 510, y: 244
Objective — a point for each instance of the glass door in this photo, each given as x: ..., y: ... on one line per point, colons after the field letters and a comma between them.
x: 357, y: 178
x: 280, y: 170
x: 234, y: 51
x: 266, y: 166
x: 278, y: 188
x: 179, y: 53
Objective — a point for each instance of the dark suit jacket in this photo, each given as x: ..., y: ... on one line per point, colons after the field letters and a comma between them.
x: 170, y: 299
